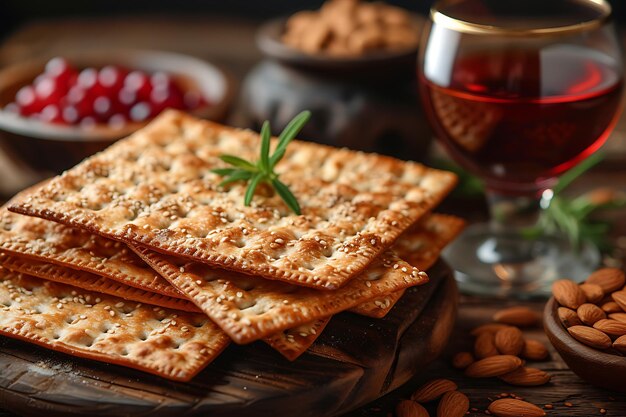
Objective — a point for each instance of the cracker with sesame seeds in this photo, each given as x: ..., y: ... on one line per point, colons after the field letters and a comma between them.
x: 156, y: 189
x: 171, y: 344
x: 420, y: 247
x: 92, y: 282
x: 50, y: 242
x: 249, y: 308
x: 292, y: 343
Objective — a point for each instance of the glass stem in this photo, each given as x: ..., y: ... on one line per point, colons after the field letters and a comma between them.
x: 509, y: 212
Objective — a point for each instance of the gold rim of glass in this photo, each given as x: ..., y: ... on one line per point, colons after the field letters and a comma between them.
x: 459, y: 25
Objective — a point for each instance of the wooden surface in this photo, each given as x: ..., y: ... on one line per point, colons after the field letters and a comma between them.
x: 356, y: 360
x: 235, y: 50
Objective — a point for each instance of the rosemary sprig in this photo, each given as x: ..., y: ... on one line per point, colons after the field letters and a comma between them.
x: 573, y: 216
x: 262, y: 171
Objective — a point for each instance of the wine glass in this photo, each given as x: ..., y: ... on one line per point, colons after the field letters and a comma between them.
x: 518, y: 92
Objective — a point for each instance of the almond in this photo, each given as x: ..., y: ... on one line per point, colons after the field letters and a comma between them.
x: 487, y: 328
x: 593, y: 292
x: 620, y: 298
x: 568, y: 317
x: 509, y: 341
x: 508, y: 407
x: 484, y: 346
x: 493, y: 366
x: 534, y: 350
x: 517, y: 316
x: 611, y: 307
x: 611, y: 327
x: 432, y: 390
x: 462, y: 360
x: 408, y: 408
x: 620, y: 344
x: 453, y: 404
x: 609, y: 279
x: 568, y: 294
x: 590, y: 313
x: 618, y: 316
x: 527, y: 377
x: 590, y: 336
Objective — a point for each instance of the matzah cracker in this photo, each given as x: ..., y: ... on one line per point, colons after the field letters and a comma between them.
x: 91, y: 282
x: 174, y: 345
x: 292, y: 343
x: 156, y: 189
x: 249, y: 308
x: 51, y: 242
x: 420, y: 247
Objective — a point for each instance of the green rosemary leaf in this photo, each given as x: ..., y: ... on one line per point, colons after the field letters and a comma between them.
x: 264, y: 161
x: 238, y: 175
x: 288, y: 134
x: 287, y: 196
x: 254, y: 182
x: 223, y: 171
x: 238, y: 162
x: 567, y: 178
x: 263, y: 169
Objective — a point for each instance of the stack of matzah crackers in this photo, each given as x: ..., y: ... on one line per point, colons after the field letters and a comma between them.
x: 137, y: 257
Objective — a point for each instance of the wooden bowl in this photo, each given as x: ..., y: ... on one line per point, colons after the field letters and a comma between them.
x: 602, y: 369
x: 372, y: 65
x: 49, y: 147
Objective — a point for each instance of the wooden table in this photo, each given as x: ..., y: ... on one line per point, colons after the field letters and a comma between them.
x: 235, y: 51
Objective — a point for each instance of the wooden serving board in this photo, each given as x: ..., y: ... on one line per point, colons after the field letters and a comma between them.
x: 355, y: 361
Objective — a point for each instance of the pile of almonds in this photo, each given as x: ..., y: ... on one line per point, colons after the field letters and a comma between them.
x: 594, y: 312
x: 453, y: 403
x: 500, y: 347
x: 351, y: 27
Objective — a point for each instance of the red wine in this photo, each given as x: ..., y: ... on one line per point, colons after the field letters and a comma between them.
x: 519, y: 117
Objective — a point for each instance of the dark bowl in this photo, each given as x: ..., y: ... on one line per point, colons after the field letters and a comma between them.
x: 372, y: 65
x: 46, y: 147
x: 601, y: 369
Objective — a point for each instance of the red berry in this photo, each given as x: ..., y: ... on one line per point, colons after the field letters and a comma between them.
x: 117, y: 121
x: 87, y: 78
x: 139, y: 83
x: 140, y: 112
x: 127, y: 97
x: 51, y: 113
x: 70, y: 115
x: 27, y: 100
x: 101, y: 105
x: 88, y: 122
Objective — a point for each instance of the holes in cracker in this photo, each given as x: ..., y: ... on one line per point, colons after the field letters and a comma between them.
x: 244, y: 304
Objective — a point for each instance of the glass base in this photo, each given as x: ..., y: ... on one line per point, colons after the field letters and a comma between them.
x: 506, y: 264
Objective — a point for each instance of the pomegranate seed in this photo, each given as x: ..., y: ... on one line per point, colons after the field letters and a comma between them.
x: 127, y: 97
x: 88, y: 122
x: 101, y: 105
x: 136, y: 80
x: 45, y: 88
x: 76, y: 94
x: 160, y: 79
x: 70, y: 114
x: 57, y: 66
x: 87, y: 78
x: 51, y: 113
x: 25, y: 96
x: 140, y: 112
x: 117, y: 121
